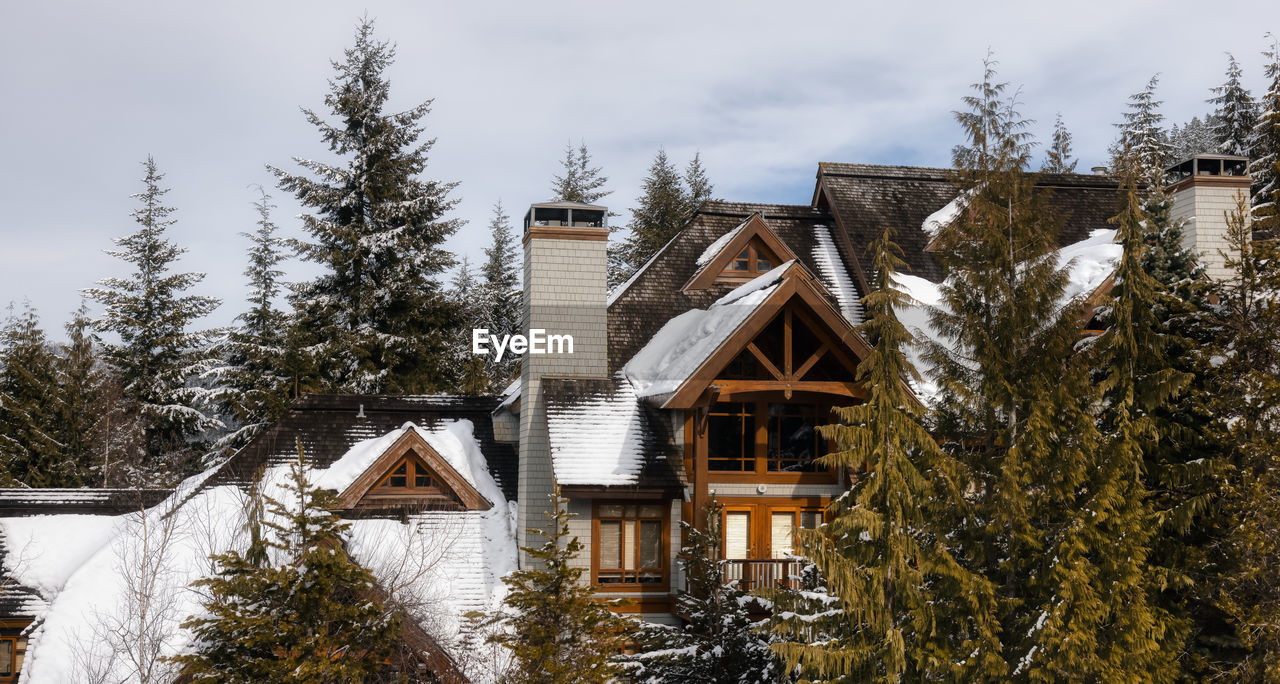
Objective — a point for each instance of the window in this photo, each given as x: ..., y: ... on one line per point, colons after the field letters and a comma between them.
x: 789, y: 442
x: 630, y: 548
x: 782, y: 525
x: 753, y: 260
x: 7, y: 651
x: 757, y: 531
x: 407, y: 475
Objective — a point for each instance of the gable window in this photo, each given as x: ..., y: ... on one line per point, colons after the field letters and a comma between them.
x: 765, y: 437
x: 630, y: 548
x: 753, y: 260
x: 407, y: 475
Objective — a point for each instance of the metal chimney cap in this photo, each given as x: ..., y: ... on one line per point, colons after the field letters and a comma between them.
x: 1099, y: 170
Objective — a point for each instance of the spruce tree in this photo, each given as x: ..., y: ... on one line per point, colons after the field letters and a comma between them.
x: 501, y: 290
x: 697, y: 183
x: 1141, y: 150
x: 80, y: 386
x: 581, y: 182
x: 1236, y: 113
x: 1264, y: 166
x: 667, y: 203
x: 1192, y: 139
x: 252, y: 384
x: 556, y: 632
x: 159, y: 354
x: 720, y: 642
x: 30, y: 444
x: 377, y: 320
x: 293, y: 606
x: 1058, y: 159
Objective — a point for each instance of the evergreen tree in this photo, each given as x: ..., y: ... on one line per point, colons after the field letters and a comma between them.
x: 377, y: 320
x: 292, y: 607
x: 80, y: 388
x: 30, y: 445
x: 1236, y: 113
x: 158, y: 355
x: 1264, y: 167
x: 884, y: 554
x: 1058, y: 159
x: 581, y: 182
x: 253, y: 387
x: 501, y: 294
x: 666, y: 205
x: 1194, y: 138
x: 556, y: 631
x: 1141, y: 149
x: 720, y: 643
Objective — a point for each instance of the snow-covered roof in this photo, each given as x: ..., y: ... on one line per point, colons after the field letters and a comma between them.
x: 688, y: 340
x: 1088, y: 262
x: 716, y: 247
x: 935, y: 222
x: 833, y: 271
x: 82, y: 565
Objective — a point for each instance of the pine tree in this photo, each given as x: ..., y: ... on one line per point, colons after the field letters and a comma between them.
x: 1141, y: 149
x: 292, y: 607
x: 556, y: 631
x: 80, y: 388
x: 1236, y: 113
x: 1194, y: 138
x: 1264, y: 165
x: 581, y: 182
x: 501, y: 294
x: 252, y: 383
x: 1058, y: 159
x: 159, y: 354
x: 666, y: 205
x: 30, y: 445
x: 884, y: 554
x: 720, y: 643
x: 377, y: 320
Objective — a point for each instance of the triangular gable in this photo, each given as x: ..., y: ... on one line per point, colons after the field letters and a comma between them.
x: 753, y: 232
x: 411, y: 445
x: 796, y: 284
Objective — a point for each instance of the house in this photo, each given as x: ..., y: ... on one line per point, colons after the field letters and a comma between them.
x: 704, y: 376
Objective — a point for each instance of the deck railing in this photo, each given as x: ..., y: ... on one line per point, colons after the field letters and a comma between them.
x: 763, y: 573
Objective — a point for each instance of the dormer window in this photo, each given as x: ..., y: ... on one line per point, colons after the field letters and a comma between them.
x: 753, y: 260
x: 409, y: 474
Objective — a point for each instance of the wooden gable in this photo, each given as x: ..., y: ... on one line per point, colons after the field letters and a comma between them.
x: 753, y: 245
x: 828, y: 338
x: 429, y: 482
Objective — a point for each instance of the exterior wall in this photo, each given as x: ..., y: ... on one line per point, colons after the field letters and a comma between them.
x: 564, y: 293
x: 773, y: 489
x: 1206, y: 207
x: 580, y: 527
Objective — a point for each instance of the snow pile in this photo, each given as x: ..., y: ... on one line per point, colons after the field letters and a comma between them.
x: 935, y: 222
x: 90, y: 567
x: 688, y: 340
x: 598, y: 441
x: 832, y: 268
x: 1089, y: 262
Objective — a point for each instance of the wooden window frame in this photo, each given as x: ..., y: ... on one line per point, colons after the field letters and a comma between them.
x: 761, y: 510
x: 13, y: 659
x: 411, y: 461
x: 664, y: 552
x: 760, y: 471
x: 756, y: 251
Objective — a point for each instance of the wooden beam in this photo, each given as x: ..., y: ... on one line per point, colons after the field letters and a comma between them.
x: 768, y: 365
x: 809, y: 363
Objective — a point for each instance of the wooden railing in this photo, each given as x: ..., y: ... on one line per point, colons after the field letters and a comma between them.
x: 764, y: 573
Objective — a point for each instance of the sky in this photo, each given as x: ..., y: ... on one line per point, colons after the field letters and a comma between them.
x: 762, y: 91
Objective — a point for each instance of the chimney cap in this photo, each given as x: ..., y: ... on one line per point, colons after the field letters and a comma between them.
x: 566, y: 215
x: 1229, y: 168
x: 1099, y: 170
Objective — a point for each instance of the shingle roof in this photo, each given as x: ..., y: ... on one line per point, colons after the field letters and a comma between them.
x: 330, y: 424
x: 654, y: 296
x: 19, y: 502
x: 866, y: 198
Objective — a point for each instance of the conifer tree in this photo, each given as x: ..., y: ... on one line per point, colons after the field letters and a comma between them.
x: 581, y: 182
x: 1264, y: 166
x: 666, y: 205
x: 697, y: 183
x: 470, y: 297
x: 502, y: 293
x: 556, y: 632
x: 1058, y: 159
x: 884, y: 553
x: 30, y: 445
x: 293, y: 606
x: 158, y: 354
x: 1194, y: 138
x: 720, y: 643
x: 80, y: 387
x: 377, y: 320
x: 252, y: 385
x: 1236, y: 113
x: 1141, y: 150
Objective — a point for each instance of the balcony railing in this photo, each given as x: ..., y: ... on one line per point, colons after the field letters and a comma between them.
x: 765, y: 573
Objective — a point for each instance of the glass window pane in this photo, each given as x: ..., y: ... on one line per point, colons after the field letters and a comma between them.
x: 421, y: 481
x: 610, y: 511
x: 6, y: 656
x: 611, y: 544
x: 651, y: 511
x: 629, y: 545
x: 650, y: 544
x: 737, y: 532
x: 810, y: 520
x: 397, y: 480
x: 780, y: 527
x: 731, y: 438
x: 742, y: 262
x: 400, y: 469
x: 763, y: 264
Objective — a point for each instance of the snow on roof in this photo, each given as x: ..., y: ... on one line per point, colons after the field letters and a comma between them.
x: 832, y: 269
x: 935, y: 222
x: 1088, y: 264
x: 715, y: 247
x: 84, y: 564
x: 510, y: 394
x: 599, y: 440
x: 687, y: 340
x: 617, y: 291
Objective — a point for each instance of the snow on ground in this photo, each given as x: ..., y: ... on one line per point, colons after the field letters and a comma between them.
x: 686, y: 341
x: 832, y: 268
x: 599, y: 440
x: 87, y: 565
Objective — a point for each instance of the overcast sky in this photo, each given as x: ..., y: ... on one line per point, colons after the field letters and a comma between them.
x: 763, y: 90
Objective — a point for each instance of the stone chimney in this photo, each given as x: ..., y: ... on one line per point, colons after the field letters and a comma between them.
x: 1205, y: 190
x: 565, y: 288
